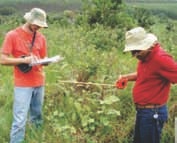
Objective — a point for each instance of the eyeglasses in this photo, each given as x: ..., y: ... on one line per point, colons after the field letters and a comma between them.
x: 135, y: 52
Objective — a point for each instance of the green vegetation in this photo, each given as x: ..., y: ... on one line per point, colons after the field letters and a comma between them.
x: 75, y: 113
x: 162, y: 9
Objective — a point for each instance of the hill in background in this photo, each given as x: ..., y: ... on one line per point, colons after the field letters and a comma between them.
x: 49, y: 6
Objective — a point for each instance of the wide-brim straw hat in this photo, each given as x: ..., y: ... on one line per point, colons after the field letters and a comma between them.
x: 36, y: 16
x: 138, y: 39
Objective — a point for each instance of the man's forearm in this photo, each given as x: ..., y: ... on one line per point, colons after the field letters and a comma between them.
x: 6, y: 60
x: 130, y: 76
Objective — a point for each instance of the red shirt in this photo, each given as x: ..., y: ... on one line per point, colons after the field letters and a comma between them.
x: 154, y: 77
x: 17, y: 43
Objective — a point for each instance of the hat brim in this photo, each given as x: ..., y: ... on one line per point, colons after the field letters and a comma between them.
x: 40, y: 24
x: 141, y: 45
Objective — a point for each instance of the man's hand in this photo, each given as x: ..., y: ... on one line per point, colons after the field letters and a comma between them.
x: 31, y: 59
x: 121, y: 82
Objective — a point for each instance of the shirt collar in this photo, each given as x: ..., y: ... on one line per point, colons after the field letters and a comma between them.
x: 152, y: 53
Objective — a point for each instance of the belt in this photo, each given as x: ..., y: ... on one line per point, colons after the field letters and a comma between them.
x: 148, y: 106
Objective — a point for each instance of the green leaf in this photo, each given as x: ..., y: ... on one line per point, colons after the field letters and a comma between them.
x: 86, y: 120
x: 55, y: 113
x: 61, y: 114
x: 78, y: 106
x: 109, y: 100
x: 113, y: 112
x: 104, y: 121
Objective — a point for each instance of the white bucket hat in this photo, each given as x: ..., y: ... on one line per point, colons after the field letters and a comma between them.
x: 138, y: 39
x: 36, y: 16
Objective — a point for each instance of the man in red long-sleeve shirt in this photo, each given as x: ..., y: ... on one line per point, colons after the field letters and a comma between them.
x: 155, y: 72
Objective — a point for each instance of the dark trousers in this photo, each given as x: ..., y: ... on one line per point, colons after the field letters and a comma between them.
x: 149, y: 124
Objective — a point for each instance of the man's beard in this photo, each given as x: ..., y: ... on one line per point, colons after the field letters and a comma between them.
x: 31, y: 29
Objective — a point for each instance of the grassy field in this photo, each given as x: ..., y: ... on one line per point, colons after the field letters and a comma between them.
x: 86, y: 114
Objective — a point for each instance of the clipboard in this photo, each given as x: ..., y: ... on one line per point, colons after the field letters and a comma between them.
x: 47, y: 60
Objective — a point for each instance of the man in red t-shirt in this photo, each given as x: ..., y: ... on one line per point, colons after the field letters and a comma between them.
x: 21, y: 47
x: 155, y: 72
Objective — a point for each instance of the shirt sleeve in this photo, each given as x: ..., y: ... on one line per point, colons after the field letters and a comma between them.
x: 7, y: 46
x: 168, y: 68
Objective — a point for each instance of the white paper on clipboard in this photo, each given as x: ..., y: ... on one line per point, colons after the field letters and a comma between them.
x: 47, y: 60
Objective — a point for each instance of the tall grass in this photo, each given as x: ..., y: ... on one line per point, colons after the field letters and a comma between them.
x: 75, y: 113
